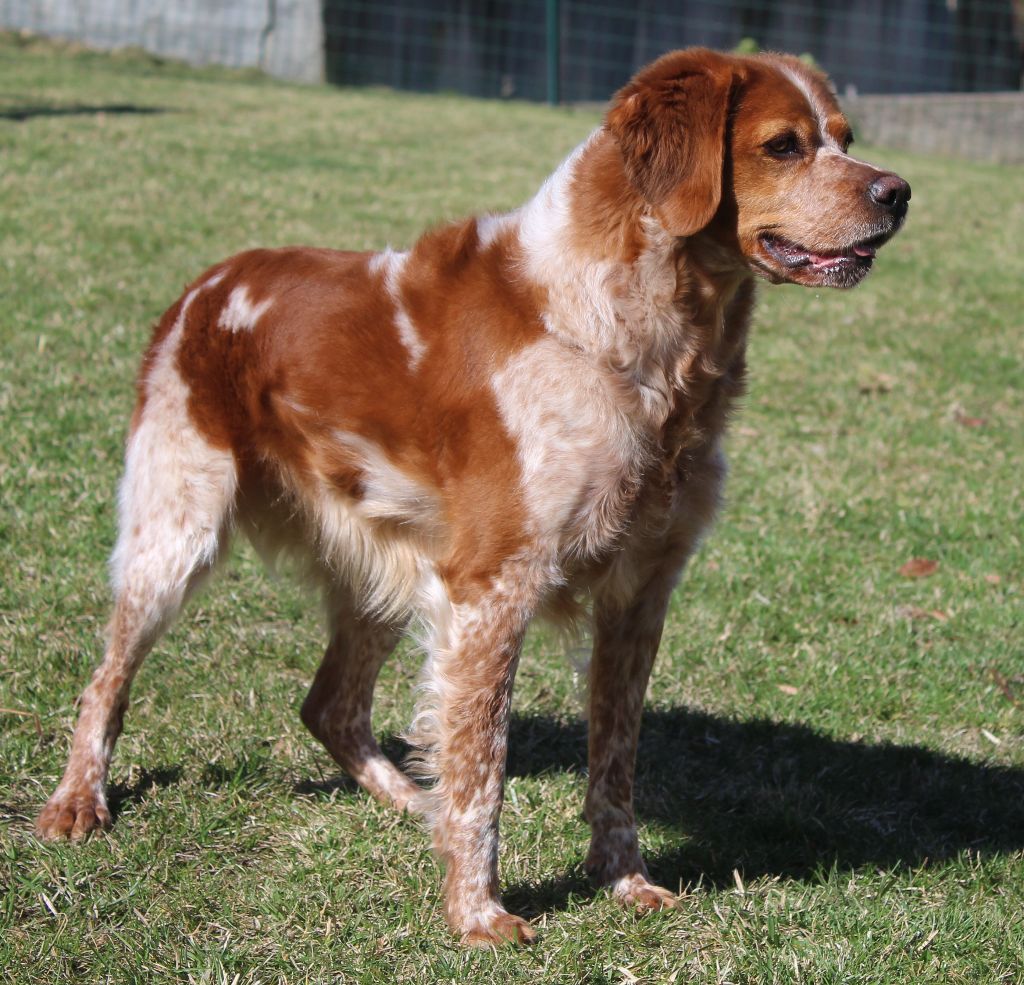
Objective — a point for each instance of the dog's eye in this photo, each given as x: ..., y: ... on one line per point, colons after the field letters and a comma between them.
x: 784, y: 145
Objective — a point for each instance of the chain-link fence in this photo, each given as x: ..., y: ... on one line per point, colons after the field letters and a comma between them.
x: 583, y: 50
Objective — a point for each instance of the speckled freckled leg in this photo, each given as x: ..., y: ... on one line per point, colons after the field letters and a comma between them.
x: 337, y: 708
x: 176, y: 505
x: 463, y: 725
x: 78, y: 806
x: 625, y: 645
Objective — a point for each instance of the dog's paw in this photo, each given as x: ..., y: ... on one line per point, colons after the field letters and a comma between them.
x: 72, y: 814
x: 635, y: 892
x: 495, y: 929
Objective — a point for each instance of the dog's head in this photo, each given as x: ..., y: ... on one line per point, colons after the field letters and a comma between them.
x: 754, y: 151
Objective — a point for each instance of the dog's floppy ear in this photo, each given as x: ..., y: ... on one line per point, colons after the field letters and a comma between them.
x: 669, y: 123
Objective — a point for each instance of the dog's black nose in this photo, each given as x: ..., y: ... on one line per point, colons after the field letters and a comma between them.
x: 891, y: 192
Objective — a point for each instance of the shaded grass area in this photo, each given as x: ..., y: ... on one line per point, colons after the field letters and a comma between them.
x: 832, y: 764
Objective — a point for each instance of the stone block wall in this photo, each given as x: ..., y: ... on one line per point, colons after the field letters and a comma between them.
x: 281, y: 37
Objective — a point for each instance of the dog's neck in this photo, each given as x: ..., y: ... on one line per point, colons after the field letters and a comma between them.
x: 618, y: 285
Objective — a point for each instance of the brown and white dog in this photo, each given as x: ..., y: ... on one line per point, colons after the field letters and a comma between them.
x: 521, y: 415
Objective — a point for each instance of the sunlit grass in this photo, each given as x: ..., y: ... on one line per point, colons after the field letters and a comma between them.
x: 832, y: 766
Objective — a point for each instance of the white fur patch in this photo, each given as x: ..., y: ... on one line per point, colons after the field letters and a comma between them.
x: 625, y: 315
x: 410, y: 337
x: 489, y: 227
x: 383, y: 567
x: 391, y: 264
x: 380, y: 262
x: 545, y: 221
x: 819, y: 111
x: 175, y: 497
x: 388, y: 492
x: 241, y: 315
x: 574, y: 445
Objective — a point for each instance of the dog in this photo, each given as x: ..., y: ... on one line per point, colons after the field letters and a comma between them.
x: 520, y: 416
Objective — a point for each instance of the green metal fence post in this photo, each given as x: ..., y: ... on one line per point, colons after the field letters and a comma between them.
x: 554, y: 54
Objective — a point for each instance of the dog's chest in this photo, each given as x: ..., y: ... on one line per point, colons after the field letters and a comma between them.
x: 611, y: 417
x: 676, y: 449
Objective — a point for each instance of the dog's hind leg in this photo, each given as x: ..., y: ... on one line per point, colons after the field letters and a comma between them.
x: 177, y: 499
x: 337, y: 708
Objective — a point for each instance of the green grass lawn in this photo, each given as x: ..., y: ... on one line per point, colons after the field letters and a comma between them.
x: 832, y: 764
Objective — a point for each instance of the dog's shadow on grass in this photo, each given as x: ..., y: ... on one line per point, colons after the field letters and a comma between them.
x: 773, y: 799
x: 123, y: 795
x: 760, y: 797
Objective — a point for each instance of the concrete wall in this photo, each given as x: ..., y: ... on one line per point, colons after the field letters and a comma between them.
x: 977, y: 126
x: 281, y: 37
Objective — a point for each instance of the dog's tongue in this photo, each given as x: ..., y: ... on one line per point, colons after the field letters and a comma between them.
x: 794, y: 255
x: 827, y: 259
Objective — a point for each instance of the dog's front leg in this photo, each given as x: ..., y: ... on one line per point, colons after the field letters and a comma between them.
x: 625, y: 643
x: 463, y: 725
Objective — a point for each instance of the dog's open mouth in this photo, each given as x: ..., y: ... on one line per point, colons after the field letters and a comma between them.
x: 786, y: 260
x: 792, y: 255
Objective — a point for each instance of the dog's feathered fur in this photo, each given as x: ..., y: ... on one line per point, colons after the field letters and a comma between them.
x: 520, y: 415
